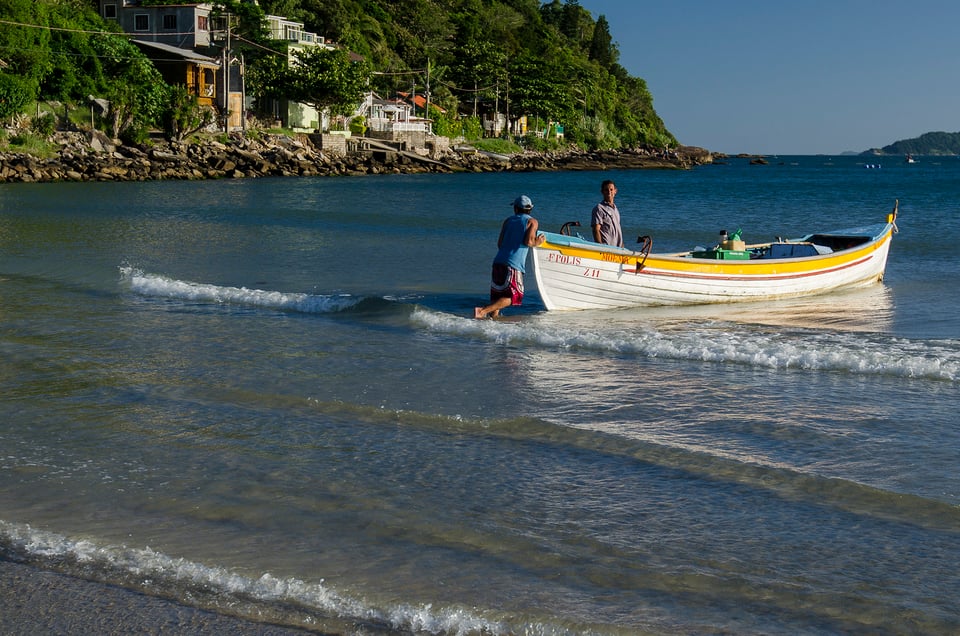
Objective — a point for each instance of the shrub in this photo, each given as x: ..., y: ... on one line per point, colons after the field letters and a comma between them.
x: 44, y: 125
x: 185, y: 115
x: 472, y: 127
x: 15, y: 94
x: 358, y: 126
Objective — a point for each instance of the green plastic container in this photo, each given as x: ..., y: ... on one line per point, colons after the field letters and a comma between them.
x: 723, y: 255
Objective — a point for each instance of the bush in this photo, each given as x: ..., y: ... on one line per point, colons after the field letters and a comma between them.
x: 15, y: 94
x: 446, y: 124
x: 44, y: 125
x: 358, y: 126
x: 472, y: 128
x: 185, y: 115
x: 597, y: 134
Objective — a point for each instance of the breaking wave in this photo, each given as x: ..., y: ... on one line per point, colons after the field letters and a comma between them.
x: 718, y: 342
x: 155, y: 285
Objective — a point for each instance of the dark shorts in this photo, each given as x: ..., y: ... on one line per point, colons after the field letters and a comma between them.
x: 506, y: 282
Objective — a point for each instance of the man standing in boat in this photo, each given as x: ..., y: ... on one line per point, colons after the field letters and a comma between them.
x: 605, y: 218
x: 517, y: 235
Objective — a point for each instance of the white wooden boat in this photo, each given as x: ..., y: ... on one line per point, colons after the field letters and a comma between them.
x: 573, y: 273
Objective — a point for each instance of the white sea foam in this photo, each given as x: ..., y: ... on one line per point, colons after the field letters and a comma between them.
x: 159, y: 286
x: 761, y: 346
x: 150, y: 565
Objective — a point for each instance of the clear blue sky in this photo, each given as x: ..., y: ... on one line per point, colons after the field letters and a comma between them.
x: 793, y: 77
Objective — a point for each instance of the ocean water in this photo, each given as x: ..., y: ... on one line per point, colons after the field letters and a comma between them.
x: 267, y: 398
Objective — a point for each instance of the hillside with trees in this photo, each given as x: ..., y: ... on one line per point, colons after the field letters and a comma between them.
x: 931, y: 143
x: 553, y: 62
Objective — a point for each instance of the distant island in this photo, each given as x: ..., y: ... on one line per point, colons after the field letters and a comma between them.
x: 931, y: 143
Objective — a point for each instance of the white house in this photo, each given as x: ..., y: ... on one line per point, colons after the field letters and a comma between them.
x: 295, y: 115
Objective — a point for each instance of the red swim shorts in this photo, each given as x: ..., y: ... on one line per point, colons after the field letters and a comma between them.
x: 506, y: 282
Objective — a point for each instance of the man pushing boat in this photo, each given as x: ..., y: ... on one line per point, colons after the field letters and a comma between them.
x: 517, y: 235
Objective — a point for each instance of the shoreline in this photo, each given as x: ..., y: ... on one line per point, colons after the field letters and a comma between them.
x: 94, y: 157
x: 39, y: 601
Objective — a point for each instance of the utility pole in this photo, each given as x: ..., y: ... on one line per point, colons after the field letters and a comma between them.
x: 243, y: 94
x: 426, y: 115
x: 226, y: 80
x: 496, y: 113
x: 506, y: 102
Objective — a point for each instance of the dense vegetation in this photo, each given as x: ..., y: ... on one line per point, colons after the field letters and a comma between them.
x: 58, y: 54
x: 552, y: 62
x: 931, y: 143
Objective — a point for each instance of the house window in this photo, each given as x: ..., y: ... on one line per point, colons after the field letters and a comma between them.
x: 209, y: 86
x: 110, y: 11
x: 202, y: 23
x: 170, y: 22
x: 141, y: 22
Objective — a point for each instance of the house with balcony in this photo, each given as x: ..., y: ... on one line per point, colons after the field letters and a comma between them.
x: 188, y: 45
x: 394, y: 119
x: 290, y: 114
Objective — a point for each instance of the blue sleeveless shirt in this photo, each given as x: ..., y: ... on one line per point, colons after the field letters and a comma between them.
x: 513, y: 251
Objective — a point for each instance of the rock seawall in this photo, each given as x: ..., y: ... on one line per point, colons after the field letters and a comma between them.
x: 93, y: 157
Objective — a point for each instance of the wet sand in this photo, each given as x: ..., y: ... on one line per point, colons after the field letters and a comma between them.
x: 41, y: 602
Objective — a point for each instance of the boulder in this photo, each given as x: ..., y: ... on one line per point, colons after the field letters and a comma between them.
x: 99, y: 142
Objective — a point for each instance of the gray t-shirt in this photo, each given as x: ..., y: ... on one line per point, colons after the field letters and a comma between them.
x: 608, y: 218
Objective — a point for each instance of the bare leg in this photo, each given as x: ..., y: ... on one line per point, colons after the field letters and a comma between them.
x: 493, y: 309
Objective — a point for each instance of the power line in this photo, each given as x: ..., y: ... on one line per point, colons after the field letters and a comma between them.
x: 50, y: 28
x: 94, y: 55
x: 412, y: 72
x: 255, y: 44
x: 468, y: 90
x: 86, y: 31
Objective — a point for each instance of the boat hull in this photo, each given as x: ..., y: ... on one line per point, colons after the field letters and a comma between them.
x: 571, y: 273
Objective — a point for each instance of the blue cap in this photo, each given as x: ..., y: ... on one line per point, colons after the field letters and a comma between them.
x: 523, y: 202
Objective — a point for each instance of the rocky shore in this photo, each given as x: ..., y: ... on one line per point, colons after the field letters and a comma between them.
x: 92, y: 156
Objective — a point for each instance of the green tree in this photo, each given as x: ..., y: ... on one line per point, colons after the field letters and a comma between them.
x: 538, y: 87
x: 184, y: 114
x: 602, y: 49
x: 15, y: 94
x: 267, y: 77
x: 572, y: 20
x: 480, y: 66
x: 137, y: 93
x: 326, y: 78
x: 26, y: 41
x: 247, y: 19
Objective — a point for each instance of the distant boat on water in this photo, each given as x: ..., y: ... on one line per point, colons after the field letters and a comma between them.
x: 909, y: 159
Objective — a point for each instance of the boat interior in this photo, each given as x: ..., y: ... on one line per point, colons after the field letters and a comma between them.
x: 806, y: 247
x: 813, y: 245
